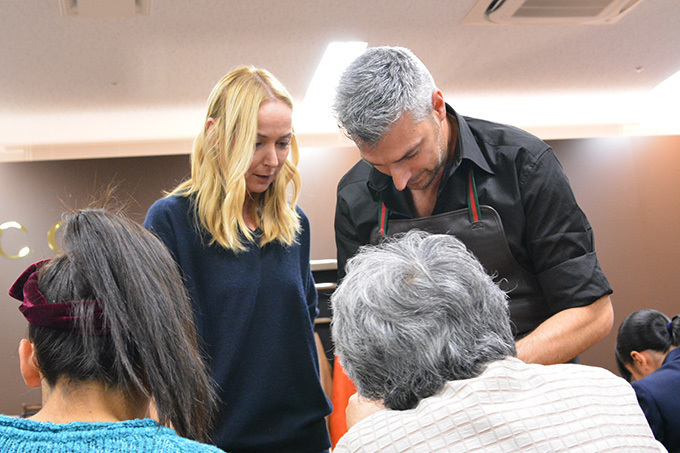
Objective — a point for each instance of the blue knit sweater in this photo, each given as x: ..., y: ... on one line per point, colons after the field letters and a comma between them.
x: 659, y: 398
x: 23, y: 435
x: 254, y: 312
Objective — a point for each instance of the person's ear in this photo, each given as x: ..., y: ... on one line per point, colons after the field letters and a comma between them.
x: 209, y: 123
x: 638, y: 359
x: 28, y: 364
x: 643, y: 364
x: 438, y: 105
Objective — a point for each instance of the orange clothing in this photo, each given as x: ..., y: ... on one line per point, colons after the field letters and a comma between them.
x: 343, y: 388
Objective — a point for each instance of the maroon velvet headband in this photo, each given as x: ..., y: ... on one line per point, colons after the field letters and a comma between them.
x: 38, y: 311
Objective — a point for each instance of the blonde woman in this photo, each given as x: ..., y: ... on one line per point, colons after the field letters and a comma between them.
x: 243, y: 247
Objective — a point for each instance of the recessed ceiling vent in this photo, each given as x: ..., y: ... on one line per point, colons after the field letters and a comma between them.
x: 104, y: 8
x: 548, y: 11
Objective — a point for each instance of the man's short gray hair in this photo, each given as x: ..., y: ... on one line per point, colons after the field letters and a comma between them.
x: 378, y: 88
x: 415, y: 312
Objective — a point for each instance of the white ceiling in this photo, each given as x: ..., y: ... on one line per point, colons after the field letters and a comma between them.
x: 146, y: 79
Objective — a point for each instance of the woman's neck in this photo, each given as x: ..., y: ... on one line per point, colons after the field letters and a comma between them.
x: 249, y: 212
x: 89, y: 402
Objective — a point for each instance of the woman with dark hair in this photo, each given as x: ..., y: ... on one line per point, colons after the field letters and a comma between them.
x: 243, y: 246
x: 110, y: 332
x: 647, y: 354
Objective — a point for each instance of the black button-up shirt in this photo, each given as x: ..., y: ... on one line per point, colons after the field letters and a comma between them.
x: 520, y: 177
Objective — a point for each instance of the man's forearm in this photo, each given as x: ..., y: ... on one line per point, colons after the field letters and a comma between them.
x: 567, y: 334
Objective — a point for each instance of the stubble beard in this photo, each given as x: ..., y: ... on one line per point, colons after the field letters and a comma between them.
x: 432, y: 174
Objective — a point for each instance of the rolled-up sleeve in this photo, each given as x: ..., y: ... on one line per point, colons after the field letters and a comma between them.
x: 559, y: 238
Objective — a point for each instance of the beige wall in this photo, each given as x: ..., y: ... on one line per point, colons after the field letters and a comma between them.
x: 321, y: 169
x: 628, y: 187
x: 630, y: 190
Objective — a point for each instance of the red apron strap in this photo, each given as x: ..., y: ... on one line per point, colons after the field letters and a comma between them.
x: 473, y: 206
x: 383, y: 219
x: 473, y: 201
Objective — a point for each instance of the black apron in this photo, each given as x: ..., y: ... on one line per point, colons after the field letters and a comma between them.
x: 481, y: 230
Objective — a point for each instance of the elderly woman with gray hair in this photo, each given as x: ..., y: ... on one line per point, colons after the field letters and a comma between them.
x: 425, y: 335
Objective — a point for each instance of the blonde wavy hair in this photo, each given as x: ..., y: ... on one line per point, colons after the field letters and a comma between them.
x: 222, y: 155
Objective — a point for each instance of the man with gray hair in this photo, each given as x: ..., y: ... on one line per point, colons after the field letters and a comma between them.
x: 425, y: 335
x: 498, y: 189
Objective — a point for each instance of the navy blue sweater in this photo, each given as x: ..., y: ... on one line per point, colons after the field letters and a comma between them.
x: 254, y: 313
x: 659, y: 397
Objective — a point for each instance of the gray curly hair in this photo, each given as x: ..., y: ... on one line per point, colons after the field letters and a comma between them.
x: 414, y: 312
